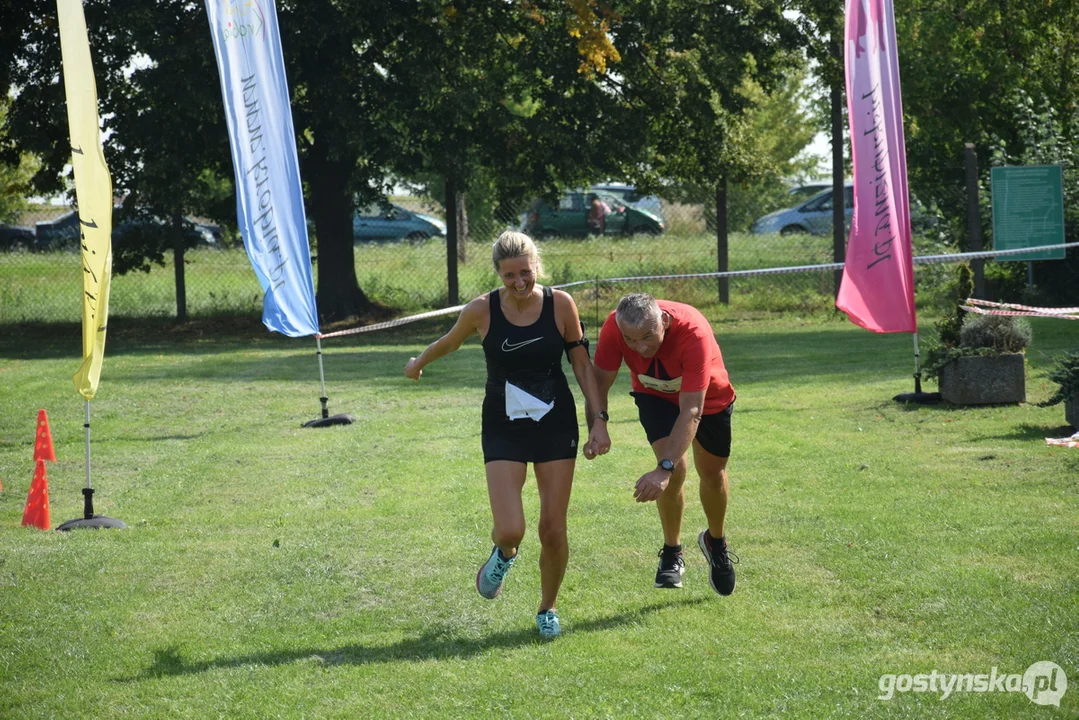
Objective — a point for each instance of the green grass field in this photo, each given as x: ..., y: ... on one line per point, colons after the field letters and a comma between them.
x: 270, y: 571
x: 412, y: 277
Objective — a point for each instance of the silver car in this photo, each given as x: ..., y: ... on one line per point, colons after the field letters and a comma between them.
x: 813, y: 217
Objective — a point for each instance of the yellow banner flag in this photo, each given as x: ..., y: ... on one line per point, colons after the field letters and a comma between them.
x: 93, y: 189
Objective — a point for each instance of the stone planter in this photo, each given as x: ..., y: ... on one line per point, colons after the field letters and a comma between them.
x: 984, y: 380
x: 1071, y: 411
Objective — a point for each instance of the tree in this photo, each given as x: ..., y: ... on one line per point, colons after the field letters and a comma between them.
x: 529, y: 96
x: 14, y: 178
x: 29, y: 66
x: 1003, y: 77
x: 167, y: 150
x: 685, y: 71
x: 963, y: 65
x: 335, y: 59
x: 163, y: 134
x: 778, y: 128
x: 822, y: 24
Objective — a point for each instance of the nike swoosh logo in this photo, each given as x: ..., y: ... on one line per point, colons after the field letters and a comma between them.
x: 507, y: 347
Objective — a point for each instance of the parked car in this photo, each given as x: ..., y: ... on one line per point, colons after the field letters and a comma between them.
x: 629, y: 195
x: 380, y: 222
x: 800, y: 193
x: 62, y: 233
x: 812, y: 217
x: 15, y: 237
x: 196, y: 234
x: 569, y: 217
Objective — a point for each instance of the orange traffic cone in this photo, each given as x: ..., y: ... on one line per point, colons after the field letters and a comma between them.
x: 37, y: 501
x: 43, y: 445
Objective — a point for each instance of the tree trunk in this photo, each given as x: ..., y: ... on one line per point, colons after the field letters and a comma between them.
x: 462, y: 227
x: 339, y: 295
x: 176, y: 230
x: 452, y: 292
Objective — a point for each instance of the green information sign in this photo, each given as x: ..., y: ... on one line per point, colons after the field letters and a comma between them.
x: 1028, y: 210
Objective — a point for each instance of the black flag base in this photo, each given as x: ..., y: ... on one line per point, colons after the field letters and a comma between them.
x: 89, y: 520
x: 327, y: 420
x: 918, y: 396
x: 97, y: 521
x: 342, y: 419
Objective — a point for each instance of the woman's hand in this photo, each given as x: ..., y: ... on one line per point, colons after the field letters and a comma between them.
x: 413, y: 370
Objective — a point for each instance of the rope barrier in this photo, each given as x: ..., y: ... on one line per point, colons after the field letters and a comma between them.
x: 394, y: 323
x: 987, y: 307
x: 1014, y: 306
x: 921, y: 260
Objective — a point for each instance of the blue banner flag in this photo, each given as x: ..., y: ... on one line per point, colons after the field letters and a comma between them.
x: 269, y: 199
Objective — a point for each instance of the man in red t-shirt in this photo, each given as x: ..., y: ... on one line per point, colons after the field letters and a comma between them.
x: 684, y: 398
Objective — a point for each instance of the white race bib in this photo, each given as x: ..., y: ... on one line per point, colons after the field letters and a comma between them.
x: 520, y: 404
x: 663, y: 386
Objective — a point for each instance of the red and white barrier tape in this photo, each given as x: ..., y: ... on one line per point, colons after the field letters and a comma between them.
x: 987, y: 307
x: 1015, y: 306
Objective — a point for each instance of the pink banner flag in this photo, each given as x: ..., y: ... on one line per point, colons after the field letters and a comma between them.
x: 877, y: 291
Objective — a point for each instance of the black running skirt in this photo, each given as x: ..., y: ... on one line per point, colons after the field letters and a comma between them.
x: 554, y: 437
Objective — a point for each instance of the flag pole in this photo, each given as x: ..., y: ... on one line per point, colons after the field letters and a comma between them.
x: 89, y: 520
x: 918, y: 396
x: 326, y: 420
x: 93, y: 190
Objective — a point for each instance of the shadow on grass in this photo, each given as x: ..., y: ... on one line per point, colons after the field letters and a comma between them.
x: 206, y: 336
x: 1027, y: 431
x: 944, y: 405
x: 437, y: 644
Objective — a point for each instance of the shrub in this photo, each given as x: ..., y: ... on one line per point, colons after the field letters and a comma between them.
x: 978, y: 335
x: 1065, y: 373
x: 1002, y: 333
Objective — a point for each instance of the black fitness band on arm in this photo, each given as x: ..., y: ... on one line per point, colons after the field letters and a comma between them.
x: 583, y: 342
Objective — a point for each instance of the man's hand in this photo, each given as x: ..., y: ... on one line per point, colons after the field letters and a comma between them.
x: 599, y: 442
x: 412, y: 371
x: 651, y: 485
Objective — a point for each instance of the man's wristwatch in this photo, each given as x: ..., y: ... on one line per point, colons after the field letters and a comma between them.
x: 666, y: 464
x: 601, y: 415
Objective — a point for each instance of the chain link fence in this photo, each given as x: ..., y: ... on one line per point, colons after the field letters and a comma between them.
x: 402, y: 263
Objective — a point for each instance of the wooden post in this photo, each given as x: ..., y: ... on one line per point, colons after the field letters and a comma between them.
x: 722, y: 241
x: 839, y: 211
x: 974, y: 219
x: 177, y: 232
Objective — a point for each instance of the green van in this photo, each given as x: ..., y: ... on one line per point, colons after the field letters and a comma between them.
x: 579, y: 214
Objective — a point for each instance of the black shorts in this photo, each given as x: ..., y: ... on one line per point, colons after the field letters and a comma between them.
x: 658, y: 417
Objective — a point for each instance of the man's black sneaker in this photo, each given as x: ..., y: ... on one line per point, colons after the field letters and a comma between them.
x: 720, y: 567
x: 671, y: 568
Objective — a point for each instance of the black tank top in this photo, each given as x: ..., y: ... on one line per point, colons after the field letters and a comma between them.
x: 523, y: 355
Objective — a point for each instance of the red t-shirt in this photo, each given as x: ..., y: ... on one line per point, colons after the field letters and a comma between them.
x: 688, y: 359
